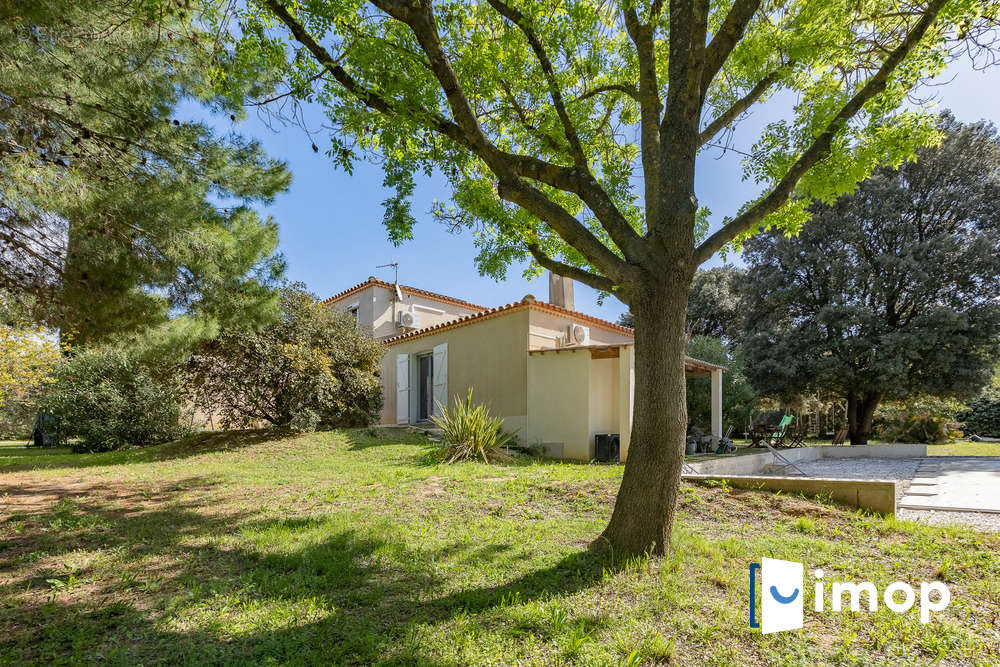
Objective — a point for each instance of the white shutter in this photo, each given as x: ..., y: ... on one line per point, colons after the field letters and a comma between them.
x: 402, y: 388
x: 440, y: 368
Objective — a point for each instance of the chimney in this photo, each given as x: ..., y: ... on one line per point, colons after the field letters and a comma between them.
x: 561, y: 291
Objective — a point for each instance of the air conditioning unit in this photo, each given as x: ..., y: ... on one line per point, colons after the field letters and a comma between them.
x: 607, y: 447
x: 407, y: 319
x: 577, y: 335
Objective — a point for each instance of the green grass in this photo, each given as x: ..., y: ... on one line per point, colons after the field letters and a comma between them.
x: 357, y: 548
x: 965, y: 448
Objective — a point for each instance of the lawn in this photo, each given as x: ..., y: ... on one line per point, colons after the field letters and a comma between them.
x: 965, y: 448
x: 357, y: 548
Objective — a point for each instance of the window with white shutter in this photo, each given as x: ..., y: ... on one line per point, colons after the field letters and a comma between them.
x: 402, y: 388
x: 440, y: 369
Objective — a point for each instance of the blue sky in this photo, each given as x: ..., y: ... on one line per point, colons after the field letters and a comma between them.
x: 330, y: 221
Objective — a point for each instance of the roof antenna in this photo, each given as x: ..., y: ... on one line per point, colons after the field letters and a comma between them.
x: 395, y: 282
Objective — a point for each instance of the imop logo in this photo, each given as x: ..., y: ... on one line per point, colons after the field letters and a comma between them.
x: 781, y: 595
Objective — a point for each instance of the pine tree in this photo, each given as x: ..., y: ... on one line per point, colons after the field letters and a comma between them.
x: 117, y: 215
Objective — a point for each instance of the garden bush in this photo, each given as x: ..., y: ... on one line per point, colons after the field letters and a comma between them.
x: 29, y: 355
x: 108, y: 399
x: 930, y: 420
x: 312, y: 368
x: 982, y: 417
x: 470, y: 432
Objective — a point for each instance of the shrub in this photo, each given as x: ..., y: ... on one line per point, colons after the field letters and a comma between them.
x: 28, y: 358
x: 983, y: 414
x: 928, y: 420
x: 470, y: 432
x: 17, y: 418
x: 109, y: 400
x: 313, y: 367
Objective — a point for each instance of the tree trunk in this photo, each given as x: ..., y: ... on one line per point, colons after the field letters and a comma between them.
x: 860, y: 412
x: 644, y: 509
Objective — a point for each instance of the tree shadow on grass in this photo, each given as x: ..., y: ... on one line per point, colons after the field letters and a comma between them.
x: 300, y: 590
x: 20, y: 459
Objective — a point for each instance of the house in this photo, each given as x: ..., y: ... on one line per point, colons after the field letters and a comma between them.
x: 387, y: 309
x: 557, y: 377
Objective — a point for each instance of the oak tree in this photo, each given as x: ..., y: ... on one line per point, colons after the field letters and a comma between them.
x: 890, y: 292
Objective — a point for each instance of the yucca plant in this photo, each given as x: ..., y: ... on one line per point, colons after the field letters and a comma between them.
x: 470, y: 432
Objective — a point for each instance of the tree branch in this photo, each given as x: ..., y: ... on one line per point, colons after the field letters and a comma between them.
x: 649, y: 110
x: 725, y: 40
x: 569, y: 271
x: 566, y: 226
x: 628, y: 89
x: 679, y: 127
x: 466, y: 131
x: 517, y: 18
x: 738, y: 107
x: 821, y: 145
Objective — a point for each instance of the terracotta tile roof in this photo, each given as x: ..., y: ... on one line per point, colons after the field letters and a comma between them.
x: 528, y: 302
x: 559, y: 310
x: 405, y: 288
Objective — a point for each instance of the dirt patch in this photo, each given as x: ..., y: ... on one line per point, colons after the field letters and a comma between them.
x: 799, y: 507
x: 38, y: 497
x: 432, y: 487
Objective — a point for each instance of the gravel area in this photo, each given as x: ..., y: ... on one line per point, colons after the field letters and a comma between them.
x: 901, y: 470
x: 861, y: 468
x: 988, y: 522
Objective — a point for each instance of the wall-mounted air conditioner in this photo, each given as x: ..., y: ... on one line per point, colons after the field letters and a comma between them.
x: 407, y: 319
x: 577, y: 335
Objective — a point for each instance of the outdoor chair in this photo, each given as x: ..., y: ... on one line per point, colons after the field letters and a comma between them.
x: 778, y: 437
x: 785, y: 436
x: 795, y: 436
x: 772, y: 436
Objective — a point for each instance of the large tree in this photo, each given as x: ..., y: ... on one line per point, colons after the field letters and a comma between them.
x: 889, y: 293
x: 569, y: 133
x: 116, y: 214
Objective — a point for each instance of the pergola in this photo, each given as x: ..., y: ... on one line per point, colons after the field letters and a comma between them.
x: 625, y: 352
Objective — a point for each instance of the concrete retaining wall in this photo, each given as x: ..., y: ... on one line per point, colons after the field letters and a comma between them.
x: 877, y: 495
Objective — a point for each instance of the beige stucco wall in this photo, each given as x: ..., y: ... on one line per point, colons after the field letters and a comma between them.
x: 571, y: 398
x: 490, y: 356
x: 603, y: 396
x: 545, y: 327
x: 376, y: 313
x: 364, y: 299
x: 559, y: 402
